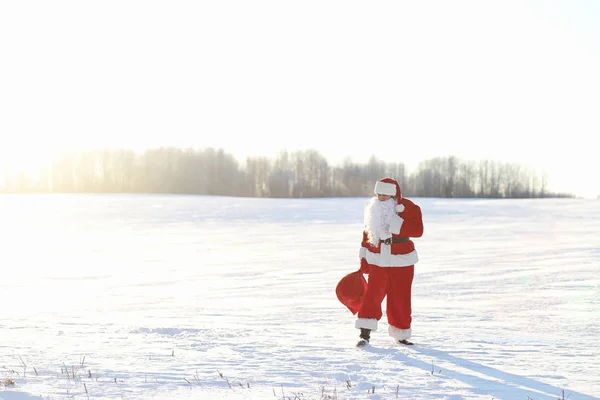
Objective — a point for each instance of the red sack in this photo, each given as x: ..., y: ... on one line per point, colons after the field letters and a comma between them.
x: 351, y: 289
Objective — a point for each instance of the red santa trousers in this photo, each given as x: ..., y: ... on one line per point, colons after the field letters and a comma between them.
x: 396, y: 284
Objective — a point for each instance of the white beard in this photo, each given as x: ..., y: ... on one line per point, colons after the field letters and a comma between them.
x: 377, y: 219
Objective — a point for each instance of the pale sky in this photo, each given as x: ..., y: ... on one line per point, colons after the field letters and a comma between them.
x: 513, y: 81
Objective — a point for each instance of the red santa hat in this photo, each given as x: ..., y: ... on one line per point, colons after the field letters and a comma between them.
x: 389, y: 187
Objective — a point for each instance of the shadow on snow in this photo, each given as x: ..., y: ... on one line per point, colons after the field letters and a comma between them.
x: 502, y: 385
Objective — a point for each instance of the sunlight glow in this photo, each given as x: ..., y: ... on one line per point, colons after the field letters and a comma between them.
x: 402, y: 81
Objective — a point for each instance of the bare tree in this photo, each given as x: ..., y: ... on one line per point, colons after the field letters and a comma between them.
x: 257, y: 171
x: 281, y: 177
x: 484, y: 178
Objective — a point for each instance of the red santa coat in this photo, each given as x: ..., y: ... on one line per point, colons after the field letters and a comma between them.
x: 406, y: 223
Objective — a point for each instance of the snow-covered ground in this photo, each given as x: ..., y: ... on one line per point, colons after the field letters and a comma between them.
x: 160, y: 297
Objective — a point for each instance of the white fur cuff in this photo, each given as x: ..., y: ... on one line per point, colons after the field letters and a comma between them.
x: 399, y: 334
x: 399, y: 208
x: 366, y: 323
x: 396, y: 224
x: 362, y: 253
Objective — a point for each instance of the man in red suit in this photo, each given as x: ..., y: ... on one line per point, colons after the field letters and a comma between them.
x: 388, y: 255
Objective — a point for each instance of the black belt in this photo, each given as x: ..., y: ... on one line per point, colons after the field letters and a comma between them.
x: 397, y: 239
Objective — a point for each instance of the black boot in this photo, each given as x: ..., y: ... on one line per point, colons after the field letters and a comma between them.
x: 365, y: 336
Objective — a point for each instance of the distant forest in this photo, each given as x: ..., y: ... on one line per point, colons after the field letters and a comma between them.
x: 298, y: 174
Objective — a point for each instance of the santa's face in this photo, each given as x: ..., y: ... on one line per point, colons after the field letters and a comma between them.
x: 378, y: 212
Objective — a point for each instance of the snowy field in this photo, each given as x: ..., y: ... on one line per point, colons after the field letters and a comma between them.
x: 194, y: 297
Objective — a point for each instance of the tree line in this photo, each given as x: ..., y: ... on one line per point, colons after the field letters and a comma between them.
x: 298, y: 174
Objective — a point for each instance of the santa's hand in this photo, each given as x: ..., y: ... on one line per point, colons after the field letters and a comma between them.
x: 365, y: 268
x: 392, y: 218
x: 395, y: 224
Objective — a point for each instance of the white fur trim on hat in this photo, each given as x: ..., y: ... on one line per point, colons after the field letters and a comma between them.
x: 399, y: 334
x: 399, y: 208
x: 388, y: 189
x: 366, y: 323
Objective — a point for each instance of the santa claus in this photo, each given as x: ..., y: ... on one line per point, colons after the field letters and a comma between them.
x: 388, y: 255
